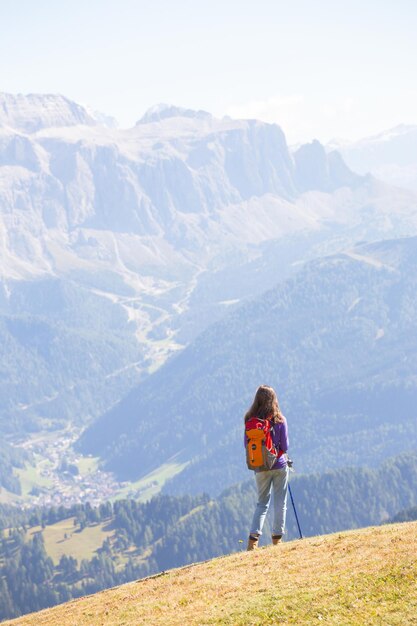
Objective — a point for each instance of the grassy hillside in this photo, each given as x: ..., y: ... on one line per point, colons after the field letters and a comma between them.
x: 84, y: 550
x: 358, y: 577
x: 65, y: 538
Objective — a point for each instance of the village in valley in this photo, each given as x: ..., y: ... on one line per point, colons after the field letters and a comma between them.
x: 58, y: 476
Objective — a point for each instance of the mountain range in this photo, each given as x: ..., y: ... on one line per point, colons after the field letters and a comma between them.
x: 390, y: 156
x: 120, y: 247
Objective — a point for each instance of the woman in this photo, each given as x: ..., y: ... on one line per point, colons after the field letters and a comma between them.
x: 265, y: 406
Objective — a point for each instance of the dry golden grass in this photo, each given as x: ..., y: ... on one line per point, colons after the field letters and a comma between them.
x: 362, y: 578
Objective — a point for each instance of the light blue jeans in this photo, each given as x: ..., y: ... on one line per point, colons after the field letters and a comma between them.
x: 277, y: 481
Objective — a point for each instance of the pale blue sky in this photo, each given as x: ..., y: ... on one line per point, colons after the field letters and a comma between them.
x: 324, y: 68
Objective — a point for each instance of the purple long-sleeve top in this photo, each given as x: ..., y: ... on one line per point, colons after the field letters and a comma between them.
x: 281, y: 441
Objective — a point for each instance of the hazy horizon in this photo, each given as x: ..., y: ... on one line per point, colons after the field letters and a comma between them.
x: 328, y: 70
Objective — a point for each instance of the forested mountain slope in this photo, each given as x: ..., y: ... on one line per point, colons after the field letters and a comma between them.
x: 66, y: 353
x: 10, y: 458
x: 338, y: 342
x: 407, y: 515
x: 326, y: 502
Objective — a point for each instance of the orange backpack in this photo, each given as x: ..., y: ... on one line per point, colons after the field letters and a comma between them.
x: 261, y: 452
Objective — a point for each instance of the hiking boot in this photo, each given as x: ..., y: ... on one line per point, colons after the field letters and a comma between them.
x: 252, y: 542
x: 276, y: 539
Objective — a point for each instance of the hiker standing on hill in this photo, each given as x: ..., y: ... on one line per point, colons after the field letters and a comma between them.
x: 266, y: 441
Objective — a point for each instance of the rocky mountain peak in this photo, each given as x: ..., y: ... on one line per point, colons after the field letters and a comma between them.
x: 316, y: 170
x: 163, y: 111
x: 33, y: 112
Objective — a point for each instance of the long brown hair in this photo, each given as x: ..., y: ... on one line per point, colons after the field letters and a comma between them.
x: 265, y: 405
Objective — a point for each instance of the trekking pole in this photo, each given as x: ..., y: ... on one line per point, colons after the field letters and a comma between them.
x: 295, y: 512
x: 290, y: 464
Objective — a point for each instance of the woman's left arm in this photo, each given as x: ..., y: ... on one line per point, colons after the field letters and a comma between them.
x: 284, y: 439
